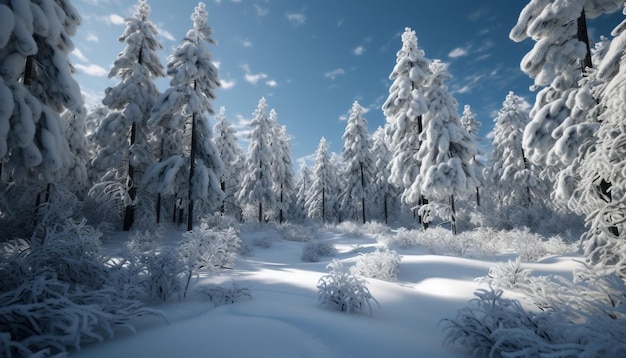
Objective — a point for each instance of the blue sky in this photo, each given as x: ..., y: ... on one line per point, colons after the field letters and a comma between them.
x: 313, y: 59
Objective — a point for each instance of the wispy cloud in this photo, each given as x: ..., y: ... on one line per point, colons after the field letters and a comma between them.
x: 253, y: 78
x: 91, y: 37
x: 114, y: 19
x: 271, y: 83
x: 164, y: 33
x: 261, y: 11
x: 79, y: 55
x: 296, y: 18
x: 458, y: 52
x: 92, y: 70
x: 246, y: 43
x: 334, y: 73
x: 227, y: 84
x: 359, y: 50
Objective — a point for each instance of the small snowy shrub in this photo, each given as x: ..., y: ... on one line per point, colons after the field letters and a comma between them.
x: 349, y: 228
x: 298, y: 233
x: 211, y: 249
x: 146, y: 240
x: 381, y: 264
x: 165, y: 273
x: 509, y: 275
x: 222, y: 296
x: 312, y: 251
x: 342, y: 290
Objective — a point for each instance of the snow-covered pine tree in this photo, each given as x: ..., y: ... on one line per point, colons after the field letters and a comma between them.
x: 404, y: 109
x: 302, y: 188
x: 384, y: 194
x: 123, y: 133
x: 557, y: 62
x: 322, y: 195
x: 75, y: 177
x: 513, y: 178
x: 232, y: 156
x: 605, y: 244
x: 257, y: 184
x: 284, y: 185
x: 471, y: 125
x: 192, y: 87
x: 36, y: 86
x: 447, y: 151
x: 358, y: 174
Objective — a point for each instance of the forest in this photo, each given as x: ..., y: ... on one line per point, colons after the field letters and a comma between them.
x: 150, y: 164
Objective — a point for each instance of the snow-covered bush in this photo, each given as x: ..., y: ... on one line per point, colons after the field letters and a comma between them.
x: 58, y: 291
x: 210, y: 249
x: 165, y: 273
x: 380, y: 264
x: 342, y: 290
x: 509, y: 275
x: 298, y: 233
x: 141, y: 241
x: 581, y: 318
x: 222, y: 296
x: 312, y: 251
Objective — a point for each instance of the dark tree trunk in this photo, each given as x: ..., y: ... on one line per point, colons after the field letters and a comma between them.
x: 584, y: 37
x: 385, y: 209
x: 453, y: 217
x: 223, y: 207
x: 280, y: 215
x: 363, y: 187
x: 129, y: 214
x: 477, y: 196
x: 192, y: 169
x: 323, y: 205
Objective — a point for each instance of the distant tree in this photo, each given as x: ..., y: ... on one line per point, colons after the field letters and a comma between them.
x: 36, y: 86
x: 404, y: 110
x: 75, y: 177
x: 123, y: 134
x: 192, y: 87
x: 257, y: 184
x: 384, y: 194
x: 446, y: 153
x: 359, y: 164
x: 302, y: 188
x: 514, y: 179
x: 284, y: 185
x: 471, y: 125
x: 322, y: 195
x: 232, y: 156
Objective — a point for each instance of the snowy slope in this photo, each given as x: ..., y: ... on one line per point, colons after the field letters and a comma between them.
x: 283, y: 317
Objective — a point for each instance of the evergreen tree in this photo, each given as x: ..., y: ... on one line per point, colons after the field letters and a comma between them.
x: 302, y: 188
x: 123, y: 133
x: 514, y: 179
x: 471, y: 125
x: 36, y: 86
x: 359, y: 164
x: 446, y: 153
x: 322, y: 195
x: 257, y: 184
x: 192, y: 87
x: 283, y: 172
x: 404, y: 110
x: 232, y: 156
x: 384, y: 194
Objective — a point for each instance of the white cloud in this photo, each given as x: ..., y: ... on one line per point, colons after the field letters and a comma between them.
x: 254, y: 78
x: 91, y: 37
x: 217, y: 64
x: 114, y: 19
x: 458, y: 52
x: 79, y: 55
x: 164, y: 33
x: 92, y: 70
x: 227, y: 84
x: 271, y: 83
x: 296, y: 18
x: 246, y: 43
x: 334, y: 73
x: 359, y: 50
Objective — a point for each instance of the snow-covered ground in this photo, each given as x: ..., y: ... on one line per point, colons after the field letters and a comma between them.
x: 284, y: 319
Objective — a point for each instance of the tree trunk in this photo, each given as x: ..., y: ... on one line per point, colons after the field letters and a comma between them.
x: 260, y: 211
x: 363, y: 188
x: 385, y: 209
x: 477, y: 196
x: 323, y: 205
x: 584, y: 37
x: 129, y: 214
x: 453, y: 213
x: 192, y: 169
x: 280, y: 215
x: 223, y: 207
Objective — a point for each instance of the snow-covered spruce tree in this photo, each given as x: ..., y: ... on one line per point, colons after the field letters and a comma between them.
x: 75, y: 176
x: 384, y: 194
x: 123, y: 134
x: 605, y: 242
x: 192, y: 87
x: 557, y: 62
x: 322, y: 195
x: 404, y: 109
x: 358, y: 174
x: 257, y: 184
x: 36, y: 85
x: 284, y: 184
x: 302, y: 188
x: 471, y: 125
x: 513, y: 178
x: 447, y: 150
x: 232, y: 156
